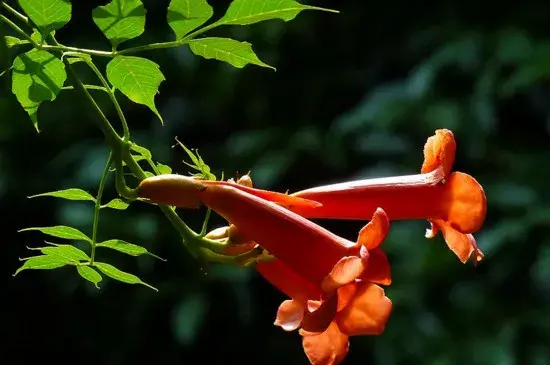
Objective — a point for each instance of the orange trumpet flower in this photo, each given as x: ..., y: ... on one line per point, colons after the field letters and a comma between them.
x: 332, y: 261
x: 454, y: 203
x: 358, y: 308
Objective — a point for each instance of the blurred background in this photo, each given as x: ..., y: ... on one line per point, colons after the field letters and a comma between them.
x: 355, y: 95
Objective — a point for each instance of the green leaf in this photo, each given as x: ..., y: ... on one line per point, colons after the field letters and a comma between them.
x: 37, y: 36
x: 186, y: 15
x: 137, y: 78
x: 127, y: 248
x: 141, y: 150
x: 120, y: 275
x: 120, y: 20
x: 64, y: 232
x: 48, y: 15
x: 44, y: 262
x: 66, y: 252
x: 37, y: 76
x: 164, y: 169
x: 69, y: 194
x: 13, y: 41
x: 116, y: 203
x: 149, y: 174
x: 238, y: 54
x: 243, y: 12
x: 89, y: 274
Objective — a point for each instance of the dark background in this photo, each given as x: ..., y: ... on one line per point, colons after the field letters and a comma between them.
x: 354, y: 95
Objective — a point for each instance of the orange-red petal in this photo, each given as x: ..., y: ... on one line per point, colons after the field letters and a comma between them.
x: 289, y: 315
x: 463, y: 245
x: 345, y: 295
x: 319, y: 314
x: 465, y: 202
x: 327, y: 348
x: 439, y: 150
x: 374, y: 233
x: 378, y: 268
x: 366, y: 313
x: 344, y: 272
x: 284, y: 200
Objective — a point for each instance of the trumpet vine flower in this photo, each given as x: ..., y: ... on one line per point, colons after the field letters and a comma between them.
x: 332, y: 261
x: 329, y: 279
x: 358, y: 308
x: 453, y: 202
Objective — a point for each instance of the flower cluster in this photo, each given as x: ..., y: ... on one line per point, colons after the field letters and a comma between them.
x: 334, y: 285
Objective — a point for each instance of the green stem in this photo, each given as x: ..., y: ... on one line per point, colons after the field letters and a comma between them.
x: 89, y: 87
x: 110, y: 134
x: 91, y: 52
x: 19, y: 31
x: 17, y: 14
x: 110, y: 92
x: 97, y: 206
x: 148, y: 47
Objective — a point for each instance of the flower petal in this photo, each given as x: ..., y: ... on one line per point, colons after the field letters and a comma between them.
x: 284, y: 200
x: 463, y: 245
x: 464, y: 202
x: 345, y: 295
x: 289, y: 315
x: 439, y: 150
x: 366, y: 313
x: 378, y: 268
x: 374, y: 233
x: 345, y: 271
x: 327, y: 348
x: 318, y: 319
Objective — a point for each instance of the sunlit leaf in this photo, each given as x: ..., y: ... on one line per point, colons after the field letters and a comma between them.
x: 44, y: 262
x: 185, y: 15
x: 127, y: 248
x: 13, y: 41
x: 137, y: 78
x: 48, y: 15
x: 116, y: 203
x: 69, y: 194
x: 66, y: 252
x: 237, y: 54
x: 149, y: 174
x: 120, y: 20
x: 89, y: 274
x: 120, y: 275
x: 37, y: 76
x: 243, y: 12
x: 64, y: 232
x: 164, y: 169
